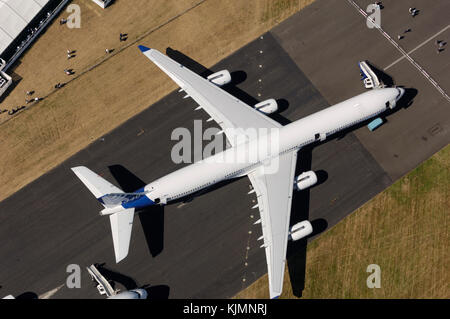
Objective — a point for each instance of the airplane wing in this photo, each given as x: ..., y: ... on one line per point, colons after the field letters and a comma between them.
x: 274, y: 195
x: 229, y: 112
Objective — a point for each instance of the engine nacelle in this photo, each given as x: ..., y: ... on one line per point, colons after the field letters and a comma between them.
x: 300, y: 230
x: 268, y: 106
x: 220, y: 78
x: 305, y: 180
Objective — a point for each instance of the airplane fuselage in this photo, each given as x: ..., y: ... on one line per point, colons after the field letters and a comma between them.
x: 243, y: 158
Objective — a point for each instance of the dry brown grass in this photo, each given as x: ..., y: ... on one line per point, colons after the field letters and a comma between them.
x: 404, y: 230
x: 126, y: 83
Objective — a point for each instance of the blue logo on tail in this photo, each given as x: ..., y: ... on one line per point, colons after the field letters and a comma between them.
x: 137, y: 199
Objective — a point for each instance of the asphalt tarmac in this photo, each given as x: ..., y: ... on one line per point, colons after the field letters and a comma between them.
x: 207, y: 248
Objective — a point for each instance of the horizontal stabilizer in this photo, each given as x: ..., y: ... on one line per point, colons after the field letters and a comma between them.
x: 94, y: 182
x: 121, y: 226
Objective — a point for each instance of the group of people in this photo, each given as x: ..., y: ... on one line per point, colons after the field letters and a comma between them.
x: 439, y: 43
x: 33, y: 100
x: 29, y: 93
x: 122, y: 37
x: 413, y: 12
x: 32, y: 31
x: 70, y: 54
x: 36, y: 99
x: 68, y: 71
x: 404, y: 32
x: 14, y: 110
x: 18, y: 108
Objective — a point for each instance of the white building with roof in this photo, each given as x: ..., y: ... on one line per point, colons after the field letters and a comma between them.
x: 15, y: 15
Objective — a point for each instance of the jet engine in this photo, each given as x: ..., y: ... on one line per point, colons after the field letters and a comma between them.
x: 267, y: 107
x: 220, y: 78
x: 300, y: 230
x: 305, y: 180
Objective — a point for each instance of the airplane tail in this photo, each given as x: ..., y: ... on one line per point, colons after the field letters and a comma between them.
x: 118, y: 205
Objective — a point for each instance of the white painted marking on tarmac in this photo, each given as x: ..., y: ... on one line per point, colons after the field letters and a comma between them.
x: 417, y: 47
x: 48, y: 294
x: 400, y: 49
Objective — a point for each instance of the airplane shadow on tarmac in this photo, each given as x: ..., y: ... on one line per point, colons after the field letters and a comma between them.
x: 296, y: 251
x: 27, y: 295
x: 151, y: 218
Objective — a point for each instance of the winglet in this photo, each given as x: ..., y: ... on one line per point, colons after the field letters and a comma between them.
x: 143, y: 48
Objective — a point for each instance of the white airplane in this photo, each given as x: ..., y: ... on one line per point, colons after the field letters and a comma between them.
x: 273, y: 187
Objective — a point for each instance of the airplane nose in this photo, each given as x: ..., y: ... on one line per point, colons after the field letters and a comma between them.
x: 400, y: 93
